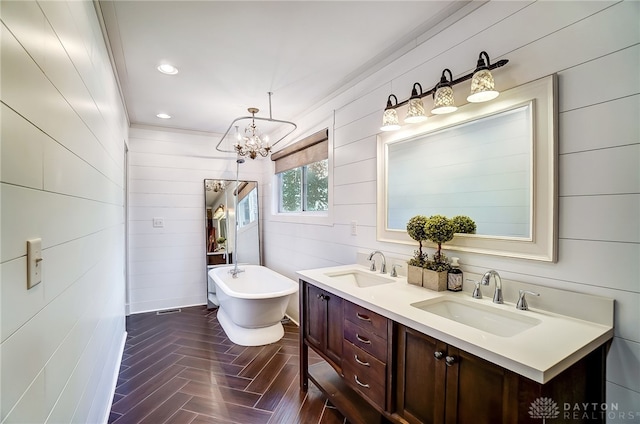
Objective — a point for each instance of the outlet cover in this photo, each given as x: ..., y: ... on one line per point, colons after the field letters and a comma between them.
x: 158, y: 222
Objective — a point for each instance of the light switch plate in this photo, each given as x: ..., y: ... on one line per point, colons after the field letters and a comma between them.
x: 34, y: 262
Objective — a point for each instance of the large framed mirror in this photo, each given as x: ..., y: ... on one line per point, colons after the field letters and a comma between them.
x: 494, y: 162
x: 221, y: 246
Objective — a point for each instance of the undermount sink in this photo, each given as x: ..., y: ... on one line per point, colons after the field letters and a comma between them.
x: 359, y: 278
x: 482, y: 317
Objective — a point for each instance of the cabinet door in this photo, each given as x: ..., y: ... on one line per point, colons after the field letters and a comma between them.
x: 420, y: 394
x: 315, y: 316
x: 334, y: 325
x: 477, y: 391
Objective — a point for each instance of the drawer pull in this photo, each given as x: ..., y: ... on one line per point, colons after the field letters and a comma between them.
x: 362, y: 339
x: 366, y: 386
x: 363, y: 317
x: 366, y: 364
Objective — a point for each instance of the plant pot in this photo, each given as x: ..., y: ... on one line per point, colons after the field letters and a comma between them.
x: 434, y: 280
x: 414, y: 275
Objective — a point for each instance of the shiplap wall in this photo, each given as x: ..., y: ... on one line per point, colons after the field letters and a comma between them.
x: 62, y: 180
x: 167, y: 170
x: 593, y: 46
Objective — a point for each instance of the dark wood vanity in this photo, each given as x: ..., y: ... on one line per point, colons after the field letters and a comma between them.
x: 376, y: 370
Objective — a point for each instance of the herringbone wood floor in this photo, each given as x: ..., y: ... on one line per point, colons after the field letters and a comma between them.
x: 181, y: 368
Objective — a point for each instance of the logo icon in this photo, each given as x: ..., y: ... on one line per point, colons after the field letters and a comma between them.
x: 544, y: 408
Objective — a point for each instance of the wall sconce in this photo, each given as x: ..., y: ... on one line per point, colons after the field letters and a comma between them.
x: 415, y: 112
x: 390, y: 117
x: 443, y: 101
x: 482, y: 90
x: 482, y: 84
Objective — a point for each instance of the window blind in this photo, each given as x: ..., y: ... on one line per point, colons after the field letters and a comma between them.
x: 308, y: 150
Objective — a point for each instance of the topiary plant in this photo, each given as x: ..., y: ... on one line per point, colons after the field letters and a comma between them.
x: 463, y: 224
x: 438, y: 229
x: 416, y: 230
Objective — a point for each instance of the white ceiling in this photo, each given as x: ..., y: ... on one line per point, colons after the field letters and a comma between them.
x: 230, y: 54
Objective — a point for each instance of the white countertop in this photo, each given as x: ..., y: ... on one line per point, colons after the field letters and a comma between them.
x: 539, y: 353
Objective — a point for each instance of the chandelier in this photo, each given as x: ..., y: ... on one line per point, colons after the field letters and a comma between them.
x: 254, y: 141
x: 215, y: 185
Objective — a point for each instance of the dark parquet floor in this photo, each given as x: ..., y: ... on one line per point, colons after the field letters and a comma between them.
x: 180, y: 368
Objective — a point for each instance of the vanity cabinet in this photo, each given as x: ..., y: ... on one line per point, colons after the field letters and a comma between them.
x: 377, y: 370
x: 323, y: 319
x: 438, y: 383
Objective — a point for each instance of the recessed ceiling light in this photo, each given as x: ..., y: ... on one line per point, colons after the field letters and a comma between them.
x: 163, y: 116
x: 165, y: 68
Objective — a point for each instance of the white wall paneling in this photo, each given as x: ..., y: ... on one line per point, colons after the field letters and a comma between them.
x: 63, y: 135
x: 166, y: 179
x: 594, y: 48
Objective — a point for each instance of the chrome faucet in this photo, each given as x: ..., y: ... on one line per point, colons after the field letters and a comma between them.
x: 383, y: 268
x: 497, y: 295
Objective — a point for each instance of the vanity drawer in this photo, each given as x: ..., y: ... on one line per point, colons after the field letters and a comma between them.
x: 364, y: 364
x: 366, y: 340
x: 363, y: 383
x: 366, y: 319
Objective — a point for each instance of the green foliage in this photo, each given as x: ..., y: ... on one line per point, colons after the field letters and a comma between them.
x: 317, y: 188
x: 463, y: 224
x: 415, y: 229
x: 305, y: 188
x: 291, y: 183
x: 438, y: 229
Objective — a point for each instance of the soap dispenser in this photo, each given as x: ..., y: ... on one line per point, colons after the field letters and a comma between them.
x: 454, y: 278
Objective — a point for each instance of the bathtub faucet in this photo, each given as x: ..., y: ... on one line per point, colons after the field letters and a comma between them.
x: 383, y: 267
x: 235, y: 271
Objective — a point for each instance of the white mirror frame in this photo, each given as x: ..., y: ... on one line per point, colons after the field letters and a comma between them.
x: 542, y: 246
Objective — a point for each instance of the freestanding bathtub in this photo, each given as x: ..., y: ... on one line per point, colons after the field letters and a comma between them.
x: 253, y: 304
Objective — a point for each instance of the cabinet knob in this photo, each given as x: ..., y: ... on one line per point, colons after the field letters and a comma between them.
x: 322, y: 297
x: 438, y: 355
x: 450, y: 360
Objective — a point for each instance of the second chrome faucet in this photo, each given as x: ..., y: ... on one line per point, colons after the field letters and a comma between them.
x: 486, y: 278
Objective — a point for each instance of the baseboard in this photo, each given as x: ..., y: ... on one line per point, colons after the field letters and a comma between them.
x: 292, y: 320
x: 116, y: 373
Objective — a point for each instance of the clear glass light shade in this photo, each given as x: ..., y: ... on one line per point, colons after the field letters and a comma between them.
x: 390, y: 120
x: 482, y: 87
x: 443, y: 101
x: 415, y: 112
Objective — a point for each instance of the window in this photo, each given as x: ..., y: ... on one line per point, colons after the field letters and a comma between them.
x: 302, y: 172
x: 304, y: 188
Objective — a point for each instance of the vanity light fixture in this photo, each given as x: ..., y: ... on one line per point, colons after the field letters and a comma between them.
x: 443, y: 101
x: 482, y: 84
x: 167, y: 69
x: 390, y: 117
x: 415, y: 112
x: 482, y: 90
x: 163, y: 116
x: 252, y: 142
